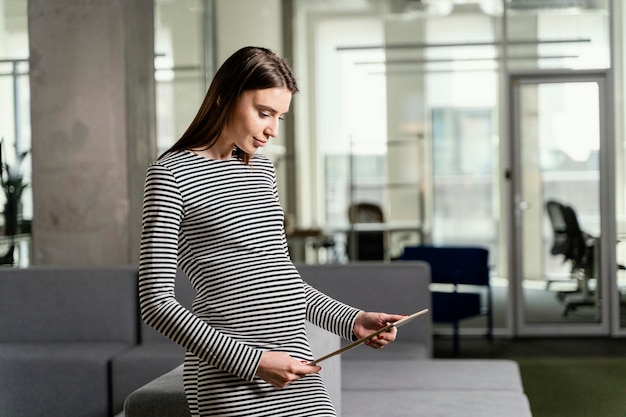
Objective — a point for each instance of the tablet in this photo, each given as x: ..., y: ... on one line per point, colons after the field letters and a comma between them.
x: 369, y: 336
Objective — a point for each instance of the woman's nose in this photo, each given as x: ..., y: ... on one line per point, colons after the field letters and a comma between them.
x: 272, y: 129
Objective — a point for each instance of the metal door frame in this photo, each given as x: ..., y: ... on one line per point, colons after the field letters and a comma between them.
x: 610, y: 307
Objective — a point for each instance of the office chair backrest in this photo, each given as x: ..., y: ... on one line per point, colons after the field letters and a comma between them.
x: 453, y: 264
x: 560, y: 244
x: 366, y: 245
x: 365, y: 213
x: 569, y: 239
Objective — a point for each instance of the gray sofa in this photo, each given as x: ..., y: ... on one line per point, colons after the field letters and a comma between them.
x: 71, y: 341
x: 398, y: 381
x: 72, y: 344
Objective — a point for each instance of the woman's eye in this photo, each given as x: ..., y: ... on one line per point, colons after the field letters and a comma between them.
x: 264, y: 114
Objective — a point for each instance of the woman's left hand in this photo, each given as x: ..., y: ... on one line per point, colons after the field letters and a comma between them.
x: 367, y: 322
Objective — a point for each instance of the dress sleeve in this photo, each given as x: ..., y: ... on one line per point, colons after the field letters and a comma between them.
x: 329, y: 314
x: 163, y: 211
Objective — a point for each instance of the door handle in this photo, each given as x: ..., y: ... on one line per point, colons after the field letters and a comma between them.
x: 519, y: 207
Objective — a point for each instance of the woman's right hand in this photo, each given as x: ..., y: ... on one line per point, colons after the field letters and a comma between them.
x: 280, y: 369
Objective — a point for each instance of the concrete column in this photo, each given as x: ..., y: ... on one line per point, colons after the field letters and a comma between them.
x: 93, y: 127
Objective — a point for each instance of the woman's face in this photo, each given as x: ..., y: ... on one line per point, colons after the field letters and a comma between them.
x: 255, y: 119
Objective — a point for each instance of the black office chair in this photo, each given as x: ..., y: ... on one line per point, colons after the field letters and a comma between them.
x: 8, y: 257
x: 579, y: 248
x: 569, y: 240
x: 366, y: 245
x: 576, y: 247
x: 457, y: 265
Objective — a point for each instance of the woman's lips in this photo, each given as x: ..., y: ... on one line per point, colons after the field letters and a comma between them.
x: 259, y: 143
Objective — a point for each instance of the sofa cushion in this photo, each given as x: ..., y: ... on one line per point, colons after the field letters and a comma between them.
x: 56, y: 379
x: 140, y: 364
x: 415, y: 403
x: 433, y: 374
x: 68, y: 304
x: 400, y: 350
x: 163, y: 397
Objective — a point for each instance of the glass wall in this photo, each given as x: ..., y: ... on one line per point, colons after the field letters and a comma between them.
x: 410, y: 118
x: 398, y: 107
x: 409, y: 113
x: 182, y: 67
x: 182, y: 63
x: 16, y: 198
x: 618, y: 62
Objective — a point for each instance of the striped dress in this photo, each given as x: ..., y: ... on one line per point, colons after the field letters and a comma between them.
x: 220, y: 221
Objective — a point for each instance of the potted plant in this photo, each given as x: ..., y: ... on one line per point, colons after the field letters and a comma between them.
x: 13, y: 185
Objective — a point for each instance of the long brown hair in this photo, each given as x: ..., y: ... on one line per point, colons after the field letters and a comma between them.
x: 249, y: 68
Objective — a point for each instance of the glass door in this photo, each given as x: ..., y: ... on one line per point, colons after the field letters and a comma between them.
x: 561, y: 179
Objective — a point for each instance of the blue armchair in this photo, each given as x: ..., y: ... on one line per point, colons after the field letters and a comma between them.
x: 457, y: 265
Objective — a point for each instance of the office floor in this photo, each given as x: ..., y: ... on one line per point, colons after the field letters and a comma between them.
x: 543, y: 308
x: 543, y: 305
x: 575, y: 347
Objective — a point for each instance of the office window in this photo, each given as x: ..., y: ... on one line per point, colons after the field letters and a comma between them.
x: 15, y: 100
x: 181, y: 72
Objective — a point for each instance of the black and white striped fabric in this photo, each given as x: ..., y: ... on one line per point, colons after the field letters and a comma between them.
x: 220, y: 221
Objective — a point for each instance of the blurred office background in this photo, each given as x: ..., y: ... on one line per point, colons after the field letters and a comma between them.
x: 459, y: 120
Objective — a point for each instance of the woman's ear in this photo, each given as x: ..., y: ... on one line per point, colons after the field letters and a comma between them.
x: 218, y: 101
